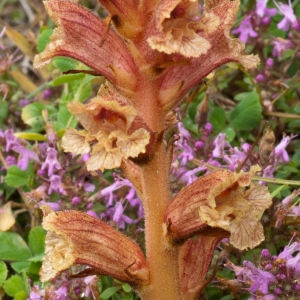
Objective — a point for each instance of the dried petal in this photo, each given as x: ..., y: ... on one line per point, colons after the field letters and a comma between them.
x: 75, y: 237
x: 76, y: 142
x: 174, y: 30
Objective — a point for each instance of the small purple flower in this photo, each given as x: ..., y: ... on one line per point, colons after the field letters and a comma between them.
x: 10, y: 160
x: 51, y: 161
x: 88, y: 187
x: 119, y: 216
x: 92, y: 214
x: 47, y: 94
x: 23, y: 102
x: 281, y: 154
x: 270, y: 62
x: 280, y: 46
x: 186, y: 154
x: 261, y: 279
x: 26, y: 156
x: 260, y: 78
x: 289, y: 15
x: 55, y: 206
x: 55, y: 185
x: 189, y: 177
x: 245, y: 30
x: 263, y: 11
x: 220, y: 143
x: 76, y: 200
x: 11, y: 140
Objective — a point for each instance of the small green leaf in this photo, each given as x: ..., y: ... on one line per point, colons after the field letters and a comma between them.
x: 36, y: 240
x: 14, y: 285
x: 66, y: 79
x: 218, y: 118
x: 34, y: 268
x: 31, y: 136
x: 13, y: 247
x: 247, y: 114
x: 43, y: 39
x: 230, y: 133
x: 107, y: 293
x: 32, y: 114
x: 3, y: 111
x: 277, y: 190
x: 3, y: 272
x: 126, y: 287
x: 15, y: 177
x: 20, y: 266
x: 64, y: 63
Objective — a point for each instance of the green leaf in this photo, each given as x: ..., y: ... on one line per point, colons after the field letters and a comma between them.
x: 66, y: 79
x: 37, y: 258
x: 3, y: 111
x: 14, y: 285
x: 43, y: 39
x: 64, y: 63
x: 230, y: 133
x: 15, y: 177
x: 247, y: 114
x: 63, y: 118
x: 20, y: 266
x: 109, y: 292
x: 13, y: 247
x: 31, y: 136
x: 3, y: 272
x: 274, y: 193
x: 32, y: 114
x: 36, y: 240
x: 218, y: 118
x: 126, y: 287
x: 34, y: 268
x: 22, y: 295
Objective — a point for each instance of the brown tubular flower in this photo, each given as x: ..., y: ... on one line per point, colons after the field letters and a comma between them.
x: 220, y: 200
x: 79, y: 35
x: 214, y: 26
x: 77, y: 238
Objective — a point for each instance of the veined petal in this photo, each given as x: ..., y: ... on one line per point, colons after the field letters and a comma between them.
x: 76, y: 142
x: 104, y: 157
x: 76, y: 238
x: 173, y: 29
x: 79, y: 35
x: 134, y: 144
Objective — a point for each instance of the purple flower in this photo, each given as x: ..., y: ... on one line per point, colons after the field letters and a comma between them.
x: 11, y: 140
x: 186, y: 154
x: 10, y: 160
x: 220, y: 143
x: 281, y: 154
x: 280, y: 46
x: 119, y: 216
x: 289, y: 15
x: 88, y: 187
x: 189, y: 177
x: 26, y: 156
x: 263, y: 11
x: 55, y: 185
x: 51, y: 161
x: 92, y: 214
x: 47, y: 94
x: 262, y: 280
x: 245, y: 30
x: 76, y: 200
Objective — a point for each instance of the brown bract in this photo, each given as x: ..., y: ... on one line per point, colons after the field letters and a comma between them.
x: 220, y: 200
x: 75, y: 237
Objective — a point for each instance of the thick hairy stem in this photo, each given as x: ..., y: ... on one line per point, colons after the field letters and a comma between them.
x: 162, y: 259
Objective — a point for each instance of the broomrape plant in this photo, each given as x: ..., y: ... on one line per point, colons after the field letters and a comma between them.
x: 151, y: 54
